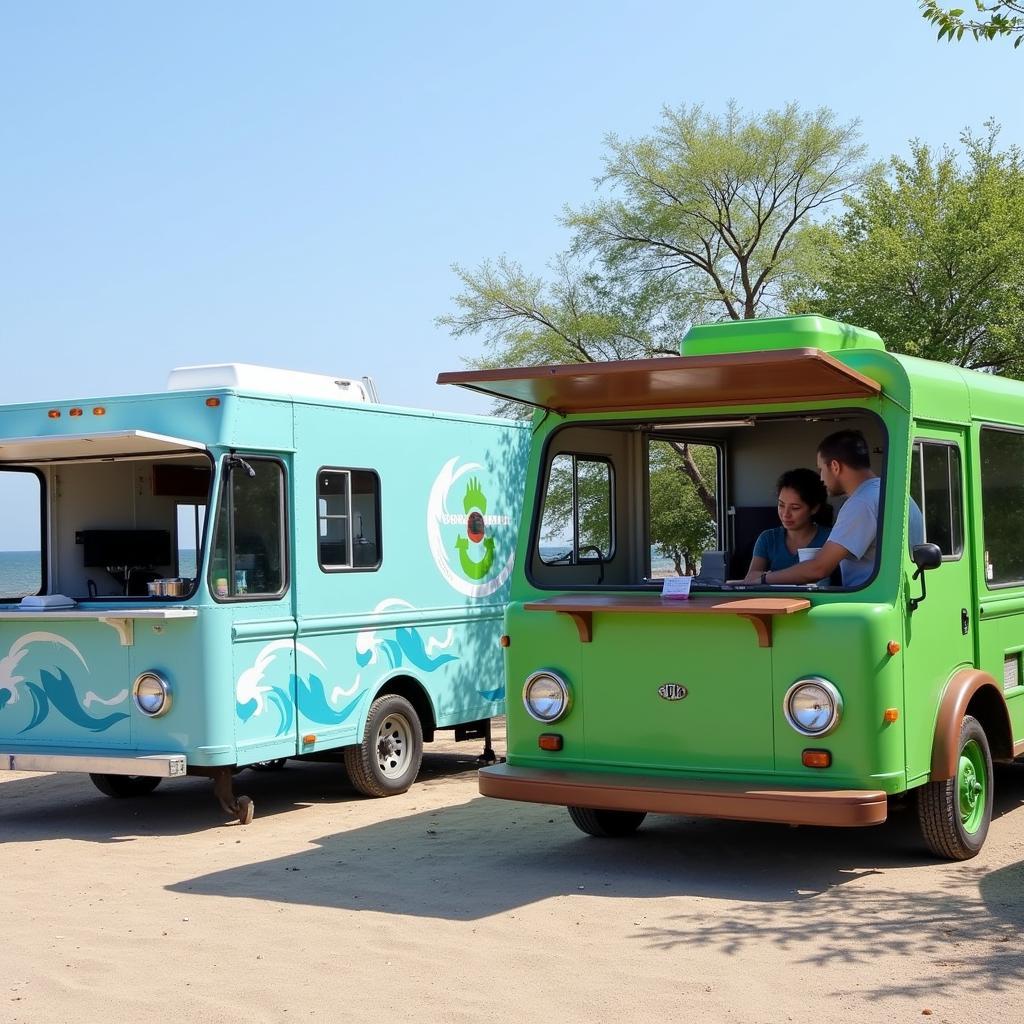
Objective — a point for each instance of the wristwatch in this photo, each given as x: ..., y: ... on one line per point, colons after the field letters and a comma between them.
x: 764, y: 579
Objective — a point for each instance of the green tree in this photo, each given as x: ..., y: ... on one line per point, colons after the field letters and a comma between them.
x: 704, y: 221
x: 931, y: 255
x: 1003, y: 18
x: 716, y: 203
x: 683, y: 506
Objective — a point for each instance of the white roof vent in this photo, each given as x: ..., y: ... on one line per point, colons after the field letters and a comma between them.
x: 271, y: 381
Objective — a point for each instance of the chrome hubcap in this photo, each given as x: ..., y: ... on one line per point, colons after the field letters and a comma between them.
x: 394, y: 746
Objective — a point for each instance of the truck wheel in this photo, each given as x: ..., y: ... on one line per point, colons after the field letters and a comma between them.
x: 606, y: 824
x: 955, y: 813
x: 122, y: 786
x: 388, y: 760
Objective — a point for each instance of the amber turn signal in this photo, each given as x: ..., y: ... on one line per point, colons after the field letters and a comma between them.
x: 890, y: 715
x: 75, y: 412
x: 549, y: 741
x: 892, y: 647
x: 213, y: 402
x: 504, y: 640
x: 309, y: 738
x: 816, y: 758
x: 99, y: 411
x: 54, y: 414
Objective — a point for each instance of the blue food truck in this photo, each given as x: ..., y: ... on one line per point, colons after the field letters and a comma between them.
x: 252, y: 566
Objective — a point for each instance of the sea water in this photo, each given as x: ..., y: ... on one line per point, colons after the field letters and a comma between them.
x: 21, y: 572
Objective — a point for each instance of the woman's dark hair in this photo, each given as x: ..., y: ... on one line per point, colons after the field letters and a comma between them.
x: 812, y: 492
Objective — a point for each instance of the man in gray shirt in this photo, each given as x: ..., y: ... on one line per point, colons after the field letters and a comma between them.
x: 844, y: 462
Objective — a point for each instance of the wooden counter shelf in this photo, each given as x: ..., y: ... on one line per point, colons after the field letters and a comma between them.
x: 757, y: 610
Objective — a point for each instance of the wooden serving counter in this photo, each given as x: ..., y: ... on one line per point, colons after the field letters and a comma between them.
x: 759, y: 611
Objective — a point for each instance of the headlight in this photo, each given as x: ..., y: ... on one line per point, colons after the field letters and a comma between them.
x: 151, y: 694
x: 546, y: 696
x: 813, y: 706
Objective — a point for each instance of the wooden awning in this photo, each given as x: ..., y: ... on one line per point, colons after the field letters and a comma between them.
x: 736, y: 379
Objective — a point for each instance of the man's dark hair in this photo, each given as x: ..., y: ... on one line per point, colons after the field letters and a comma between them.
x: 848, y: 447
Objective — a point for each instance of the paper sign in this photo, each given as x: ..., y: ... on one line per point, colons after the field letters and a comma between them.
x: 676, y: 586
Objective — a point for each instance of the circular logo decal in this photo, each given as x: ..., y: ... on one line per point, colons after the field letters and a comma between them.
x: 467, y: 537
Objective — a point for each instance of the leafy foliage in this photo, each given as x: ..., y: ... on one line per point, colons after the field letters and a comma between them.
x: 703, y: 224
x: 1003, y: 18
x: 931, y: 255
x: 716, y: 203
x: 683, y: 510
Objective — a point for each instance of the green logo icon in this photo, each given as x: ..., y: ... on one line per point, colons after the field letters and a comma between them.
x: 475, y: 505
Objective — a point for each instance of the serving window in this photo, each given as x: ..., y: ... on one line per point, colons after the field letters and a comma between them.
x: 626, y: 503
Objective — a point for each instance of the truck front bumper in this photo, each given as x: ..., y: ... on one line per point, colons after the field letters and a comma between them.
x: 693, y: 797
x: 164, y: 766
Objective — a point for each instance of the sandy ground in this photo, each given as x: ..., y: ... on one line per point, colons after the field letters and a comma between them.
x: 440, y: 905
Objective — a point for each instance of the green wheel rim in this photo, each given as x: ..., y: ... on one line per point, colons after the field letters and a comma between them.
x: 972, y: 786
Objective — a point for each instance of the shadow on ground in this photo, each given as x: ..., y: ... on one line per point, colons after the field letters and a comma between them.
x: 69, y: 806
x: 484, y: 857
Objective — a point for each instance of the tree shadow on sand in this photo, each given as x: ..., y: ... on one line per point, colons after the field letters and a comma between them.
x: 967, y: 922
x: 790, y: 886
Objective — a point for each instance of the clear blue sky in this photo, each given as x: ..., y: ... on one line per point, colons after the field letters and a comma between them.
x: 289, y: 183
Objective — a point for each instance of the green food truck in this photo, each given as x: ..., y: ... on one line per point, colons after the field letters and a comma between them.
x: 765, y: 695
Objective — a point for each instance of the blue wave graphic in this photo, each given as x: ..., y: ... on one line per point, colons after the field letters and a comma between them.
x: 59, y: 692
x: 412, y: 644
x: 248, y: 709
x: 498, y: 694
x: 283, y: 702
x: 5, y: 696
x: 314, y: 703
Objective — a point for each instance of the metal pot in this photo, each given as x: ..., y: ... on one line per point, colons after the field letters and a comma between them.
x: 176, y: 587
x: 156, y: 588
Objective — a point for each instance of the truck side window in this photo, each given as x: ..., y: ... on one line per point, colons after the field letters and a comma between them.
x: 348, y: 519
x: 1002, y: 504
x: 21, y: 537
x: 248, y: 558
x: 577, y: 522
x: 935, y: 486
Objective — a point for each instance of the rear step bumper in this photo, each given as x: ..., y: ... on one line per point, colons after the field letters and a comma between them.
x: 696, y: 797
x: 164, y: 766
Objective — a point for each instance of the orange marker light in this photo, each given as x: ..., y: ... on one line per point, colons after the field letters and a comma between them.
x: 504, y: 640
x: 98, y: 410
x: 213, y: 402
x: 890, y: 715
x: 549, y: 741
x: 309, y: 738
x: 816, y: 758
x: 892, y: 647
x: 75, y: 412
x: 54, y: 414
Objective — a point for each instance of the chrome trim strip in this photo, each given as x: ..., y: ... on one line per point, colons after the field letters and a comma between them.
x: 164, y: 766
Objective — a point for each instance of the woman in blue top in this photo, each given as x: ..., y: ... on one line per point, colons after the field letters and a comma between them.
x: 802, y: 510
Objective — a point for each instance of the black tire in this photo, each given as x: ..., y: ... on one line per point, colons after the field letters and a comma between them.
x: 269, y: 766
x: 954, y: 823
x: 606, y: 824
x: 388, y: 760
x: 125, y: 786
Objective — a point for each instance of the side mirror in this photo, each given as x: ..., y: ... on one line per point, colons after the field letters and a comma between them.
x: 925, y: 556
